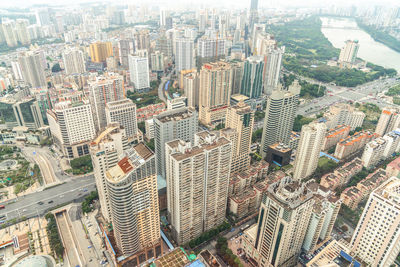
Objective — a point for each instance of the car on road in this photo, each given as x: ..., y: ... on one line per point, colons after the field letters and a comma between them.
x: 40, y: 203
x: 2, y: 207
x: 51, y: 201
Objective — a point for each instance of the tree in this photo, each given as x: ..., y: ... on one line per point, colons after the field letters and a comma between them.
x: 56, y: 68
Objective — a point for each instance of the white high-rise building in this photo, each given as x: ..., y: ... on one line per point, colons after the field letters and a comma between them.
x: 133, y: 196
x: 311, y: 140
x: 9, y: 33
x: 272, y: 69
x: 104, y: 89
x: 139, y: 72
x: 32, y: 68
x: 184, y: 54
x: 74, y: 61
x: 72, y: 127
x: 22, y: 31
x: 211, y: 47
x: 373, y: 152
x: 43, y: 17
x: 170, y: 125
x: 197, y: 184
x: 124, y: 112
x: 105, y: 151
x: 344, y: 114
x: 279, y: 116
x: 388, y: 121
x: 376, y: 239
x: 348, y: 53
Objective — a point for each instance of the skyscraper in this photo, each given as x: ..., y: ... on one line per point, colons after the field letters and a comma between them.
x: 215, y: 91
x: 22, y: 31
x: 126, y: 48
x: 253, y: 16
x: 132, y: 192
x: 272, y: 69
x: 184, y: 54
x: 279, y: 116
x: 105, y: 151
x: 139, y: 72
x: 170, y: 125
x: 376, y: 239
x: 32, y: 69
x: 348, y: 53
x: 211, y: 47
x: 123, y: 112
x: 104, y: 89
x: 252, y: 80
x: 74, y: 61
x: 307, y: 155
x: 239, y: 129
x: 388, y: 121
x: 197, y: 184
x: 100, y: 51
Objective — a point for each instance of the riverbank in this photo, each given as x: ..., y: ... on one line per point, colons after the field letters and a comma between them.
x: 380, y: 36
x: 308, y: 50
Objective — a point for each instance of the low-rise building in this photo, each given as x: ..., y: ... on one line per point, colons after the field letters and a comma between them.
x: 279, y: 154
x: 333, y: 136
x: 393, y: 168
x: 352, y: 196
x: 148, y: 112
x: 331, y: 255
x: 341, y: 175
x: 353, y: 143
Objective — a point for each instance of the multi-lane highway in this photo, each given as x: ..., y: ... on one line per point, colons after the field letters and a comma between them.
x: 362, y: 93
x: 40, y: 202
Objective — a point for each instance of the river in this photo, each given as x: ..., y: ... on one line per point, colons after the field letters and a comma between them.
x: 338, y: 30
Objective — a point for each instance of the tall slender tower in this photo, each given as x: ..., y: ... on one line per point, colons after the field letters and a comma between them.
x: 132, y: 192
x: 376, y: 239
x: 253, y: 17
x: 32, y: 69
x: 279, y: 116
x: 239, y: 129
x: 252, y: 80
x: 184, y: 56
x: 310, y: 144
x: 105, y: 151
x: 197, y: 184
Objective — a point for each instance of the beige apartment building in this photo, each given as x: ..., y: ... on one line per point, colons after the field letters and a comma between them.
x: 197, y: 184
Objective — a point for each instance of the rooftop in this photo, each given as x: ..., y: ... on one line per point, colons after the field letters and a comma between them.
x: 175, y: 115
x: 280, y: 147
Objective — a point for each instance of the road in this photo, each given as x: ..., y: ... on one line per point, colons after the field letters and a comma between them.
x: 362, y: 93
x: 28, y: 205
x: 68, y: 241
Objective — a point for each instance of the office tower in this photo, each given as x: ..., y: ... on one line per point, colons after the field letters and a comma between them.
x: 253, y: 16
x: 139, y: 72
x: 388, y: 121
x: 191, y: 87
x: 123, y: 112
x: 307, y: 155
x: 104, y: 89
x: 100, y: 51
x: 42, y: 17
x: 72, y: 127
x: 376, y: 239
x: 9, y: 34
x: 132, y: 192
x: 279, y: 116
x: 252, y: 80
x: 348, y: 53
x: 171, y: 125
x: 157, y: 61
x: 25, y: 112
x: 282, y: 222
x: 74, y: 61
x: 184, y: 54
x: 197, y: 184
x: 215, y: 91
x: 211, y: 48
x: 239, y: 129
x: 344, y: 114
x: 126, y: 48
x: 22, y: 31
x: 105, y: 151
x: 32, y: 69
x: 272, y: 69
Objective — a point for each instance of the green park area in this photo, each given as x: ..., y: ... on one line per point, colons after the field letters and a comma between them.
x: 81, y: 165
x: 308, y: 50
x: 16, y: 171
x: 142, y: 99
x: 395, y: 93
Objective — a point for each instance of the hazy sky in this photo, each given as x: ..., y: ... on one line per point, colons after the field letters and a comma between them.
x: 230, y: 3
